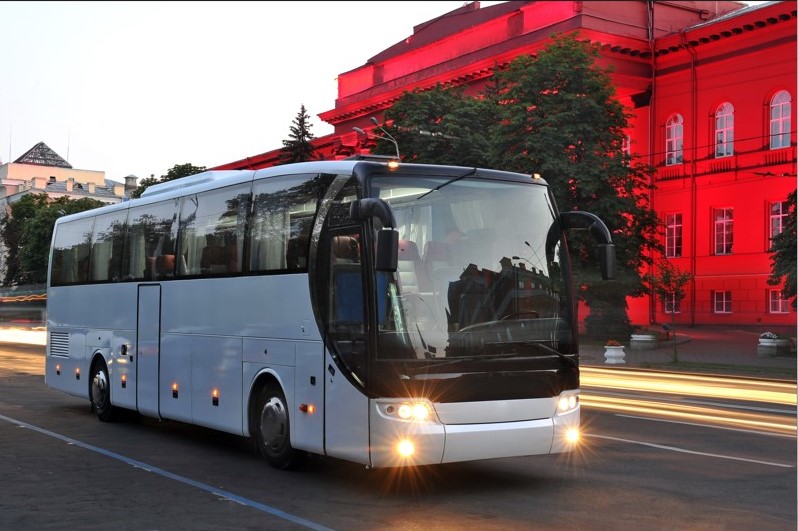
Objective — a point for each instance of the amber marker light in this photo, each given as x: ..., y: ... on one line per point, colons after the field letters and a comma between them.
x: 215, y: 397
x: 393, y: 165
x: 174, y: 390
x: 58, y: 369
x: 77, y: 373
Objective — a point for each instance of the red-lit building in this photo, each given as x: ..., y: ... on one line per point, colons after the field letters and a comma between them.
x: 712, y: 86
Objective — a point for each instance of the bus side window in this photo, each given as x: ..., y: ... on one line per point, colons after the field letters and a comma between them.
x: 71, y: 252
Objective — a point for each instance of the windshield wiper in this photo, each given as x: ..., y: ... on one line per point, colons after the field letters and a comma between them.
x: 538, y: 344
x: 447, y: 183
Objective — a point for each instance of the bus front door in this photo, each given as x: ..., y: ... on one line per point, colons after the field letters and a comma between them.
x: 148, y: 349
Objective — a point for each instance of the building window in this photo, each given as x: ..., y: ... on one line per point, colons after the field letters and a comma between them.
x: 778, y: 217
x: 674, y: 140
x: 722, y: 301
x: 724, y: 230
x: 724, y: 131
x: 780, y: 107
x: 626, y: 147
x: 776, y: 302
x: 672, y: 305
x: 673, y: 235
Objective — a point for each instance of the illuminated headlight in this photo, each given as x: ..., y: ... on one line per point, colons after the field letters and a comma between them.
x: 567, y: 403
x: 410, y: 411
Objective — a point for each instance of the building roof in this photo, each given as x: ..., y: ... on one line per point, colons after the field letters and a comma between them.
x: 78, y: 189
x: 42, y: 155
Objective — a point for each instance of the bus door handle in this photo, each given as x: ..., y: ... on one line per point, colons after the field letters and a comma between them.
x: 331, y: 369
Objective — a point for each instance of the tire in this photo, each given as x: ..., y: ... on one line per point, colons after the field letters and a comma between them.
x: 271, y: 429
x: 100, y: 393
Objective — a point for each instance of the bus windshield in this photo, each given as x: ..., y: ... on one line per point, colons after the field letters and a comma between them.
x: 477, y: 281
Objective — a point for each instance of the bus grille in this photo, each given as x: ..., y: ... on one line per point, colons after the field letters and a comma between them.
x: 59, y: 343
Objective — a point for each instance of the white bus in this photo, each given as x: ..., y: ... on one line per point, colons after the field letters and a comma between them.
x: 387, y: 314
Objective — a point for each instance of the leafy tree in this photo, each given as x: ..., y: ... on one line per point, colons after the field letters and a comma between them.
x: 783, y: 253
x: 560, y: 117
x: 668, y: 283
x: 28, y: 230
x: 176, y: 172
x: 298, y: 147
x: 439, y: 126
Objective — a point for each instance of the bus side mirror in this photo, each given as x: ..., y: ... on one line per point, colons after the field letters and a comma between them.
x: 387, y: 258
x: 607, y: 260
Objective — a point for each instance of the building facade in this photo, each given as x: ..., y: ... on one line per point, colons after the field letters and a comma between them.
x: 711, y: 86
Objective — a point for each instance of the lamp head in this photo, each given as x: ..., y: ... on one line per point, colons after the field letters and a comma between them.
x: 359, y: 131
x: 374, y: 121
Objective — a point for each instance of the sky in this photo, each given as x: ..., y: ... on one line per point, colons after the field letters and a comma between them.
x: 135, y: 88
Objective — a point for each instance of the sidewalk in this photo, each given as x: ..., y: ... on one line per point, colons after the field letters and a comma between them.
x: 705, y: 349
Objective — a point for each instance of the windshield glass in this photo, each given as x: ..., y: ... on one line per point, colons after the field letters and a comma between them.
x: 474, y: 280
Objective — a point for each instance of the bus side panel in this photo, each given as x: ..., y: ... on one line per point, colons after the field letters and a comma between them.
x: 66, y: 368
x: 346, y: 421
x: 122, y: 369
x: 308, y: 427
x: 174, y: 381
x: 216, y: 390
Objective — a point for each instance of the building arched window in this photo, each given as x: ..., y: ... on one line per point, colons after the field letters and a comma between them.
x: 724, y: 130
x: 674, y: 140
x: 780, y: 107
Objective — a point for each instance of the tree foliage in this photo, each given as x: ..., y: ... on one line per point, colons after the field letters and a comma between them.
x: 783, y: 253
x: 667, y: 281
x: 27, y: 232
x: 561, y: 118
x: 298, y: 147
x: 439, y: 126
x: 175, y: 172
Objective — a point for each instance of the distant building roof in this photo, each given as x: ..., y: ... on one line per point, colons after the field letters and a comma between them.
x: 42, y: 155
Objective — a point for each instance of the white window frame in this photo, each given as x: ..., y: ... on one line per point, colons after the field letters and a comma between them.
x: 724, y: 130
x: 780, y: 108
x: 722, y: 301
x: 671, y: 305
x: 674, y: 140
x: 778, y: 217
x: 777, y: 303
x: 723, y: 233
x: 673, y: 235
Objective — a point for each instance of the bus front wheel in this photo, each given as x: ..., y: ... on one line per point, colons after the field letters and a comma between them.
x: 100, y: 392
x: 272, y: 433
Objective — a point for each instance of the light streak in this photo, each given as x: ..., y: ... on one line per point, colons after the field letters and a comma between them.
x: 695, y: 414
x: 697, y: 385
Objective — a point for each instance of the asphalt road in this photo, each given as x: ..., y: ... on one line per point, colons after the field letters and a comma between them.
x: 61, y: 468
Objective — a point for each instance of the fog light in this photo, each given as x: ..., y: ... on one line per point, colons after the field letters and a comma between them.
x: 572, y: 435
x: 405, y: 448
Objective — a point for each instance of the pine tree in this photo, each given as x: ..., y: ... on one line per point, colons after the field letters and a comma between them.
x: 298, y: 147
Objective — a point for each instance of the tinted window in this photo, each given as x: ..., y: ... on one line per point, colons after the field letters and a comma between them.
x: 71, y: 251
x: 108, y: 247
x: 283, y: 213
x: 152, y: 241
x: 212, y: 226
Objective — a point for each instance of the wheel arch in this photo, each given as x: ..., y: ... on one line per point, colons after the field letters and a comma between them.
x: 262, y: 379
x: 98, y: 356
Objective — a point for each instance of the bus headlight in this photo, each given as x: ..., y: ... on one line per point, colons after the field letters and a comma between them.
x: 567, y: 403
x: 410, y: 411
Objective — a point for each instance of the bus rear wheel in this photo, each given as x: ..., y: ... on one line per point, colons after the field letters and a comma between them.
x: 271, y: 430
x: 100, y: 392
